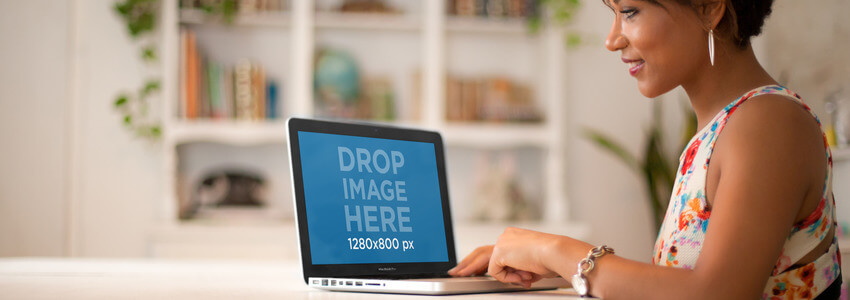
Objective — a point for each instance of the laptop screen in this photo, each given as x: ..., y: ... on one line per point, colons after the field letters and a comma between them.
x: 371, y: 200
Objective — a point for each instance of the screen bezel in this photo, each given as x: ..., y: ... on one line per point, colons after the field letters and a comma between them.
x: 295, y: 125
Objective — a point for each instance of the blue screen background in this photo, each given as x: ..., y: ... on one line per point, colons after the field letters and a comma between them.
x: 325, y: 200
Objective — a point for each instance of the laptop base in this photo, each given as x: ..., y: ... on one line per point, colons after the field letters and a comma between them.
x: 430, y: 286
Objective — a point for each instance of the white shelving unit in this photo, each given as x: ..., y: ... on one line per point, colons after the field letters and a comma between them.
x: 431, y: 32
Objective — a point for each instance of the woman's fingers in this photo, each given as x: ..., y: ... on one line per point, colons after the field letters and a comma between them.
x: 475, y: 263
x: 468, y: 259
x: 525, y: 276
x: 511, y: 275
x: 529, y: 278
x: 504, y: 273
x: 477, y: 266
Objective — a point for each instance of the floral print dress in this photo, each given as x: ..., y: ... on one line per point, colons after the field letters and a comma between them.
x: 683, y: 231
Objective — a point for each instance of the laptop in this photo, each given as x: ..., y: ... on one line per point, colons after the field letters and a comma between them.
x: 372, y: 209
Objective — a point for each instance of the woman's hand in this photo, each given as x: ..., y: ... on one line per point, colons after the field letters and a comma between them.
x: 475, y: 263
x: 523, y: 256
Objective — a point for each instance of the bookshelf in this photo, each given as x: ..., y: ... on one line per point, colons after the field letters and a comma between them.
x: 421, y: 38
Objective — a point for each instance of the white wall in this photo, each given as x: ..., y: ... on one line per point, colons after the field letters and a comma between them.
x: 808, y: 48
x: 33, y: 119
x: 119, y: 182
x: 70, y: 171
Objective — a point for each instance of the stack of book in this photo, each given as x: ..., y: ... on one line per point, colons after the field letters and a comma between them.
x: 240, y: 6
x: 494, y: 99
x: 211, y: 90
x: 493, y: 8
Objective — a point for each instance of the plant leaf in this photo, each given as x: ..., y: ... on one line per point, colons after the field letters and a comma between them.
x: 612, y: 147
x: 123, y: 8
x: 139, y: 15
x: 228, y: 10
x: 573, y: 40
x: 149, y: 53
x: 656, y: 177
x: 150, y: 87
x: 121, y: 100
x: 690, y: 128
x: 534, y: 24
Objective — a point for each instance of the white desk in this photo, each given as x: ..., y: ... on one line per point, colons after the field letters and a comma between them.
x: 45, y: 278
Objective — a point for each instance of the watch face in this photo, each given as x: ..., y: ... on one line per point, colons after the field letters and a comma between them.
x: 580, y: 284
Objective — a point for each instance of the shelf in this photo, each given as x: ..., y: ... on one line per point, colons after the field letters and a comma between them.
x: 482, y: 25
x: 234, y: 132
x: 841, y: 154
x: 270, y: 18
x: 496, y: 135
x: 367, y: 21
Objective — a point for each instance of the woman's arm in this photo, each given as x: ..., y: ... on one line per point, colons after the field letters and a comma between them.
x: 769, y: 158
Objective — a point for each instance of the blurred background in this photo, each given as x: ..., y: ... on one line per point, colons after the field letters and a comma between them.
x: 145, y: 128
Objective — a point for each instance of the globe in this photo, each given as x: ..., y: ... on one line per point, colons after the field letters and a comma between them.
x: 336, y: 77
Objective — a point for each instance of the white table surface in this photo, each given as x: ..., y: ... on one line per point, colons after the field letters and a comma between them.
x: 63, y: 278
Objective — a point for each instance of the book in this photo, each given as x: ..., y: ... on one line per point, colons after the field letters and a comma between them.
x: 203, y: 92
x: 495, y: 9
x: 227, y: 94
x: 271, y: 100
x: 258, y: 92
x: 216, y: 103
x: 242, y: 86
x: 192, y: 77
x: 182, y: 73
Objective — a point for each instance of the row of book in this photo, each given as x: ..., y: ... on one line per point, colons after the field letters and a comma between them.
x: 494, y: 99
x: 240, y: 6
x: 212, y: 90
x: 493, y: 8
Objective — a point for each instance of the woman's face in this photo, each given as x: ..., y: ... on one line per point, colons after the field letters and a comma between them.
x: 664, y: 47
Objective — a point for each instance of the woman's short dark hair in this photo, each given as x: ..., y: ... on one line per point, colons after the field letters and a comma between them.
x: 743, y: 18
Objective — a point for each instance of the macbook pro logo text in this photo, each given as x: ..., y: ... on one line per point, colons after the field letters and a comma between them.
x: 386, y: 269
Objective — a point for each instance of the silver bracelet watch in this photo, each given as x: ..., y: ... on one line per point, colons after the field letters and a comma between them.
x: 579, y: 280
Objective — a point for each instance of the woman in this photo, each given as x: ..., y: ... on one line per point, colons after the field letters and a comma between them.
x: 766, y: 192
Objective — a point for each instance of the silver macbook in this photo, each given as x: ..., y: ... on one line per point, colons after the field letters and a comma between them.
x: 372, y: 209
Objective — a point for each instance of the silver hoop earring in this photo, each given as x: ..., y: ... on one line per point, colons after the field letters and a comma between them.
x: 711, y: 46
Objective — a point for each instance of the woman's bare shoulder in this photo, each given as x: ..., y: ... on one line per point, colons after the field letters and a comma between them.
x: 775, y: 139
x: 774, y: 120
